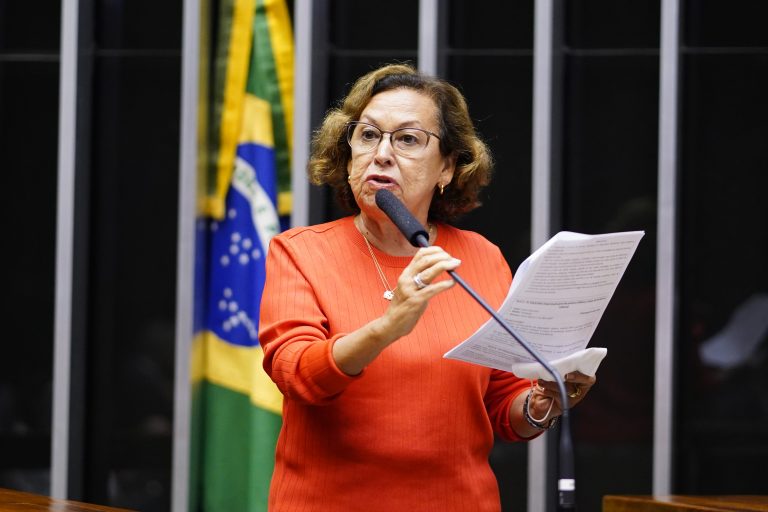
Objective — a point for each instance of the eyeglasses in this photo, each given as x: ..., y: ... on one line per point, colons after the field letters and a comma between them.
x: 407, y: 142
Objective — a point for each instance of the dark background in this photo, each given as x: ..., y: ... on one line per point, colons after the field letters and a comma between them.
x: 605, y: 179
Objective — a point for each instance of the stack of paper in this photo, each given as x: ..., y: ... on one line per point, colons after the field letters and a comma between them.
x: 556, y: 300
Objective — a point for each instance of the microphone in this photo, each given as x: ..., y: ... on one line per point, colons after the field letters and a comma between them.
x: 411, y: 228
x: 415, y: 233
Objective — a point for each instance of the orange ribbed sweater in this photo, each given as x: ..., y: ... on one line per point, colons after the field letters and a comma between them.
x: 413, y: 431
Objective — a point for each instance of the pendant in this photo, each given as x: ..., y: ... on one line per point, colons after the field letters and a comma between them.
x: 389, y: 294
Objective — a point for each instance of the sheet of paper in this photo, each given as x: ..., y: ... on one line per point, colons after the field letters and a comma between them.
x: 556, y: 300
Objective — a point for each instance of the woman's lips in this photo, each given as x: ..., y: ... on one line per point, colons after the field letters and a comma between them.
x: 379, y: 180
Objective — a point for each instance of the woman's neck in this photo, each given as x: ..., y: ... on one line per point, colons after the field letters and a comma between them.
x: 384, y: 235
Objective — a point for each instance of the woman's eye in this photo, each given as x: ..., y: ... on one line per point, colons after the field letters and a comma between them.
x: 408, y: 139
x: 369, y: 135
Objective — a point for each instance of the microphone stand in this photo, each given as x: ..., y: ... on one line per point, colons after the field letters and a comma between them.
x: 414, y: 232
x: 566, y: 482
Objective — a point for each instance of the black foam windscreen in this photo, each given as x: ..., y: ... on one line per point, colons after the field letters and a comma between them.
x: 411, y: 228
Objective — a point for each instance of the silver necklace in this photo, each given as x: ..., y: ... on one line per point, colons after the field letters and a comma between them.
x: 389, y: 293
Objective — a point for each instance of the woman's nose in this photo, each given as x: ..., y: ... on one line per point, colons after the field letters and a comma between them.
x: 384, y: 150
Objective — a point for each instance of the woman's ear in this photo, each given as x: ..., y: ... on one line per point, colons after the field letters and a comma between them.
x: 449, y: 168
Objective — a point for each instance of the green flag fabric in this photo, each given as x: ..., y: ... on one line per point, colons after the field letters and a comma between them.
x: 236, y: 407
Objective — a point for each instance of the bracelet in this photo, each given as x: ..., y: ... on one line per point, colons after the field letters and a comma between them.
x: 533, y: 422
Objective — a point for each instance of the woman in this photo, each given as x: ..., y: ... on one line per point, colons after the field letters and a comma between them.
x: 355, y: 320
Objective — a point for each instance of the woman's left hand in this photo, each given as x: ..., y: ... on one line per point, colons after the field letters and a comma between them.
x: 577, y: 385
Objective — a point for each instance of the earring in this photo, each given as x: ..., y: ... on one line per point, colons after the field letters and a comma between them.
x: 349, y: 179
x: 442, y: 189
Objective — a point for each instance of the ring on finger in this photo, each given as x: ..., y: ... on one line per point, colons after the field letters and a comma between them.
x: 576, y: 393
x: 419, y: 283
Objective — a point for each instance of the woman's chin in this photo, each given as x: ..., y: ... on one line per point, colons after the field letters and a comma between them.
x: 374, y: 186
x: 370, y: 188
x: 366, y: 201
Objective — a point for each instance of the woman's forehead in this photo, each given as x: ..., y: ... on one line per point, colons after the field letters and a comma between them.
x: 401, y: 107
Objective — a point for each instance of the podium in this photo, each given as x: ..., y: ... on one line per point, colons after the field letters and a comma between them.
x: 17, y: 501
x: 685, y: 503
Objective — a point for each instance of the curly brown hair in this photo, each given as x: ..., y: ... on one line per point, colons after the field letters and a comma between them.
x: 458, y: 137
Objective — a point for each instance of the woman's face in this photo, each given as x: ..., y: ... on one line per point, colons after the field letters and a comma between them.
x: 411, y: 178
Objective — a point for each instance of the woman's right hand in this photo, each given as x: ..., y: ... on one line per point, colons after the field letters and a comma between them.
x: 359, y: 348
x: 417, y: 284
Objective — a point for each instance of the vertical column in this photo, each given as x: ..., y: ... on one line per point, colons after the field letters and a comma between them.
x: 666, y: 289
x: 428, y: 36
x: 541, y: 208
x: 541, y: 156
x: 185, y: 257
x: 302, y: 113
x: 65, y: 220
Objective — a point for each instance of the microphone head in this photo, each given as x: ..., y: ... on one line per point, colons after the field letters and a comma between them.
x: 411, y: 228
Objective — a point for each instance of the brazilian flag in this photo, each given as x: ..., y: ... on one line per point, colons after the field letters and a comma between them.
x: 236, y: 407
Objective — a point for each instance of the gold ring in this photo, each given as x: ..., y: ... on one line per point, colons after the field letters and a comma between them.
x: 576, y: 393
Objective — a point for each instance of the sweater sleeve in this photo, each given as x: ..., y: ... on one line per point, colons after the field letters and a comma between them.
x: 504, y: 387
x: 502, y: 390
x: 293, y: 331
